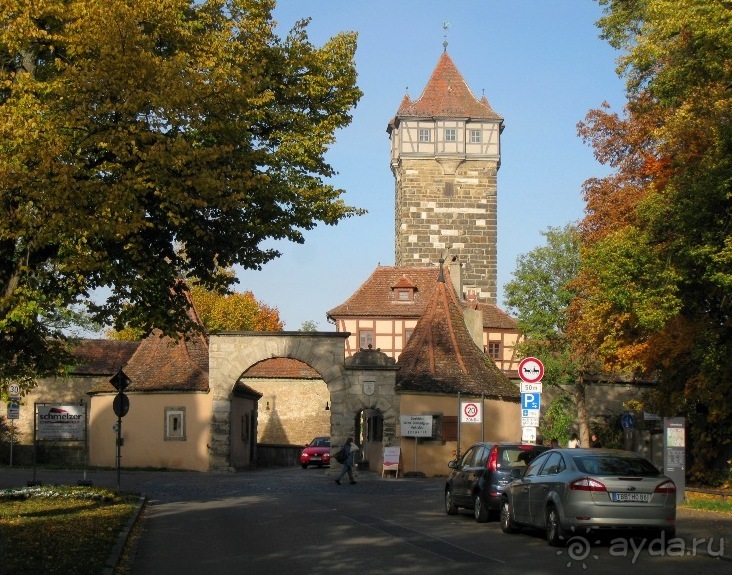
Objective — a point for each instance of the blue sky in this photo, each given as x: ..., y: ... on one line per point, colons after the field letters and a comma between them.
x: 542, y: 66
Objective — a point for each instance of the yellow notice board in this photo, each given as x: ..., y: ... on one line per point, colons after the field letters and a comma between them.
x: 391, y: 460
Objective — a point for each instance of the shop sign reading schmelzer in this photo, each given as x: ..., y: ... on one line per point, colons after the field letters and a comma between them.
x: 61, y: 422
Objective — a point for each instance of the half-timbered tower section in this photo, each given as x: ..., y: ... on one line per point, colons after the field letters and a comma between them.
x: 445, y: 155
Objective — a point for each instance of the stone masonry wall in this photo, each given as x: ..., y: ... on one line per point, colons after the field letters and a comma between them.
x: 448, y: 207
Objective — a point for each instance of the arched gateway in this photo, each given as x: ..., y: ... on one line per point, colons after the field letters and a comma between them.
x: 363, y: 382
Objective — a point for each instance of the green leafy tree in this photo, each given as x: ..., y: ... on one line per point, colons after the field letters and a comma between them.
x: 148, y: 141
x: 539, y: 297
x: 309, y: 325
x: 655, y: 295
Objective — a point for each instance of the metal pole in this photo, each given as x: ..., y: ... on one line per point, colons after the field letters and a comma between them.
x: 12, y: 437
x: 482, y: 418
x: 119, y: 437
x: 457, y: 455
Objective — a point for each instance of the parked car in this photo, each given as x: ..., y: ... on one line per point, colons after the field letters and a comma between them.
x: 563, y: 490
x: 479, y: 476
x: 317, y: 452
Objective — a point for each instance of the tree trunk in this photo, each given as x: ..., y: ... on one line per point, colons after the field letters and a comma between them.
x: 584, y: 423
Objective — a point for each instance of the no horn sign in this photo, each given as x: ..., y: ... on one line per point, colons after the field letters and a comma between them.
x: 471, y: 412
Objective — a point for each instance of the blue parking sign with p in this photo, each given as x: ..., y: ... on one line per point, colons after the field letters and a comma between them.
x: 530, y: 400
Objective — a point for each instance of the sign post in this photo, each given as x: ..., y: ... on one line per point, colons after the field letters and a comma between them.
x: 415, y: 426
x: 531, y: 372
x: 121, y: 406
x: 13, y: 413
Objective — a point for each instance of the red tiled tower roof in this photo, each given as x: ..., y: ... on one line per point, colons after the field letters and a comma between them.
x: 447, y: 95
x: 441, y: 356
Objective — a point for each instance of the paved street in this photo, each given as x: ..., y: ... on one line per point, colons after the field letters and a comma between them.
x: 290, y: 520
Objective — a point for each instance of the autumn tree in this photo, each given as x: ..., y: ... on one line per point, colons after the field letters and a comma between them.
x: 539, y: 297
x: 655, y: 287
x: 234, y: 312
x: 148, y: 141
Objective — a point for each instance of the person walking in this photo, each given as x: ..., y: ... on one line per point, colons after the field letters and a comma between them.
x: 349, y: 451
x: 595, y: 441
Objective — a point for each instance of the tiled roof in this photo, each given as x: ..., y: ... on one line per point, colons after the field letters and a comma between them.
x: 376, y: 297
x: 102, y: 356
x: 166, y: 364
x: 441, y: 356
x: 447, y: 95
x: 281, y: 368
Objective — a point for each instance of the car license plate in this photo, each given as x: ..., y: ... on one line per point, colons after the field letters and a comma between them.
x: 632, y: 497
x: 315, y: 458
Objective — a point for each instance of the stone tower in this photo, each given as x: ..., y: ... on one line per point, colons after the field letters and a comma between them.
x: 445, y: 155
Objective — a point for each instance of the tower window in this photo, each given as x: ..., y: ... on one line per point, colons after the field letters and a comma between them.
x: 475, y: 136
x: 450, y: 134
x: 424, y: 135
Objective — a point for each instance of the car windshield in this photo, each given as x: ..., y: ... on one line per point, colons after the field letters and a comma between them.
x: 320, y: 442
x: 615, y: 465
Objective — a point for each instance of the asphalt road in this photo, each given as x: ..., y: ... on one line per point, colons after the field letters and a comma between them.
x: 295, y: 521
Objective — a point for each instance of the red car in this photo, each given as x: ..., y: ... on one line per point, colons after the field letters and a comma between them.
x: 317, y: 452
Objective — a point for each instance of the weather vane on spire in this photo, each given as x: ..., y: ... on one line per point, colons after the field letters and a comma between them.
x: 445, y: 26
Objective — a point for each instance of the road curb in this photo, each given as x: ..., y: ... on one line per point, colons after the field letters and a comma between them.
x: 115, y: 554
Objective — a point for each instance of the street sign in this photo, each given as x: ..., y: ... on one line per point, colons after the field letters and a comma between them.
x: 528, y: 434
x: 471, y: 412
x: 530, y: 401
x: 120, y: 381
x: 530, y: 387
x: 121, y: 404
x: 529, y: 422
x: 13, y: 410
x: 531, y: 370
x: 627, y: 421
x: 14, y: 390
x: 530, y: 413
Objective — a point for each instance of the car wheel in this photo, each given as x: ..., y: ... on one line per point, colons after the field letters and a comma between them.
x: 304, y: 465
x: 450, y: 507
x: 507, y: 524
x: 554, y: 531
x: 480, y: 509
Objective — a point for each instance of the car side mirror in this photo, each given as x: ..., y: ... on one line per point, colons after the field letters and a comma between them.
x: 452, y: 464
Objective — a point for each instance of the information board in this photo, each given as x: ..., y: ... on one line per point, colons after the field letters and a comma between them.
x: 416, y: 425
x: 674, y: 453
x: 61, y: 422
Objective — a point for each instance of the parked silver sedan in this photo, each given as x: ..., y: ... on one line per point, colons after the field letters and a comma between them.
x: 572, y: 489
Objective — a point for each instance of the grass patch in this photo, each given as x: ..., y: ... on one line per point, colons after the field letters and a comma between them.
x: 708, y: 502
x: 60, y: 529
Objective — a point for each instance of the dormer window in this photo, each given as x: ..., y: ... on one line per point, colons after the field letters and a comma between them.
x: 405, y: 294
x: 404, y: 290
